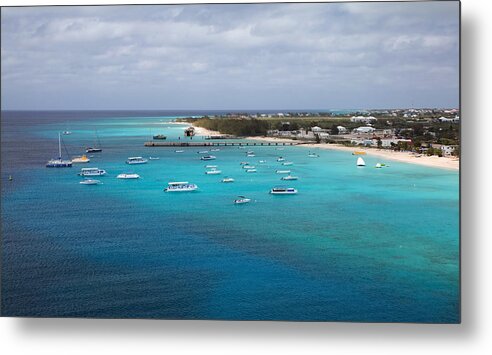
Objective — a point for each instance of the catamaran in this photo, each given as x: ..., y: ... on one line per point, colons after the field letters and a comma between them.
x: 59, y: 162
x: 92, y: 172
x: 182, y: 186
x: 279, y: 190
x: 136, y: 160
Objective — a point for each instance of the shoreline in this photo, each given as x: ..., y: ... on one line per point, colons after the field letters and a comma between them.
x: 402, y: 157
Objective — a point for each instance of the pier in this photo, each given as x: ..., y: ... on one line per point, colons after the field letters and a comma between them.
x: 218, y: 144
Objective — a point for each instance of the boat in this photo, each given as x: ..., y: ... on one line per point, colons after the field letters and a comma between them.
x: 279, y: 190
x: 66, y: 133
x: 81, y: 159
x: 289, y: 177
x: 211, y: 166
x: 203, y: 152
x: 359, y: 152
x: 154, y: 158
x: 243, y: 163
x: 179, y: 151
x: 287, y: 163
x: 279, y: 159
x: 182, y: 186
x: 250, y: 152
x: 227, y: 179
x: 313, y: 155
x: 136, y: 160
x: 90, y: 182
x: 208, y: 157
x: 59, y: 162
x: 159, y: 136
x: 251, y: 170
x: 251, y: 155
x: 283, y: 171
x: 213, y: 172
x: 92, y: 172
x: 378, y: 166
x: 360, y: 162
x: 240, y: 147
x: 242, y: 200
x: 93, y: 150
x: 215, y: 150
x: 249, y: 167
x: 128, y: 176
x: 262, y: 161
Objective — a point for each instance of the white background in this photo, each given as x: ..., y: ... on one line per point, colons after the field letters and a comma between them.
x: 473, y: 336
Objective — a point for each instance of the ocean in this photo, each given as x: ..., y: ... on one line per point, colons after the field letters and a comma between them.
x: 355, y: 244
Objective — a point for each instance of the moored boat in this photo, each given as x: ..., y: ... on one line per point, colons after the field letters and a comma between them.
x: 159, y: 136
x: 92, y: 172
x: 227, y: 179
x: 279, y: 159
x: 287, y: 163
x: 251, y: 170
x: 182, y: 186
x: 283, y: 171
x: 213, y: 172
x: 289, y: 177
x: 81, y: 159
x: 128, y: 176
x: 241, y: 200
x: 90, y: 182
x: 208, y: 157
x: 59, y: 162
x: 280, y: 190
x: 136, y: 160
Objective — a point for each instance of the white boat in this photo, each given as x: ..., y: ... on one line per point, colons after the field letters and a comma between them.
x: 90, y: 182
x: 136, y: 160
x: 262, y: 161
x: 208, y: 157
x: 92, y: 172
x: 289, y: 177
x: 181, y: 186
x: 241, y: 147
x: 215, y: 150
x: 279, y: 159
x: 128, y: 176
x: 250, y: 152
x: 81, y: 159
x: 251, y: 170
x: 241, y: 200
x: 227, y: 179
x: 287, y: 163
x: 59, y: 162
x: 203, y: 152
x: 378, y: 166
x: 313, y: 155
x: 283, y: 191
x: 154, y: 158
x: 360, y: 162
x: 179, y: 151
x: 66, y: 133
x: 213, y: 172
x: 249, y: 167
x: 251, y: 155
x: 243, y: 163
x: 211, y: 166
x: 283, y: 171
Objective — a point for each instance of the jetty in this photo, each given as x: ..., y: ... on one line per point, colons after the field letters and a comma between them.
x: 218, y: 144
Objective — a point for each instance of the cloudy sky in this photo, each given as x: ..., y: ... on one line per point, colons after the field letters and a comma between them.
x: 260, y: 56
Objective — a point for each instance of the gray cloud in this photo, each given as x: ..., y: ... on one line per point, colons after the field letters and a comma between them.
x: 231, y: 56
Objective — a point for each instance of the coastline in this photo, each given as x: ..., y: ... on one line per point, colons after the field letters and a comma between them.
x: 449, y: 163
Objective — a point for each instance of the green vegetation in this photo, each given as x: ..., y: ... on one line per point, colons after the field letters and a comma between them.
x: 237, y: 127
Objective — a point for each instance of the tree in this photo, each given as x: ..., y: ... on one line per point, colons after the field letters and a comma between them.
x: 380, y: 143
x: 318, y: 139
x: 334, y: 130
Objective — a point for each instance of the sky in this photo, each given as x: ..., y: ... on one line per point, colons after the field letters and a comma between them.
x: 240, y: 56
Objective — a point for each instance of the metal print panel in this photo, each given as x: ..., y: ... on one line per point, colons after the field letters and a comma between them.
x: 281, y: 162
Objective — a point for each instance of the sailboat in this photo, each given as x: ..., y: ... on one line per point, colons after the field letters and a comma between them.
x: 59, y: 162
x: 360, y: 162
x: 92, y: 149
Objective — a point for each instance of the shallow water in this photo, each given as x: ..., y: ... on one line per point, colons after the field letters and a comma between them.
x: 356, y: 244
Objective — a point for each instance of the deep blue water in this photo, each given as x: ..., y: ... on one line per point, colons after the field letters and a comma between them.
x: 356, y: 244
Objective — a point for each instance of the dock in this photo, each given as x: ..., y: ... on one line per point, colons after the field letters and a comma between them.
x: 218, y: 144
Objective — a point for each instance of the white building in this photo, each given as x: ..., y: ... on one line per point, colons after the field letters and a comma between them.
x: 365, y: 119
x: 342, y: 130
x: 364, y: 130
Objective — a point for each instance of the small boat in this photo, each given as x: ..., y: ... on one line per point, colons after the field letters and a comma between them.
x: 90, y: 182
x: 59, y: 162
x: 182, y: 186
x: 215, y: 150
x: 81, y: 159
x: 66, y: 133
x: 92, y: 172
x: 289, y: 177
x: 248, y: 167
x: 283, y: 191
x: 208, y: 157
x: 359, y: 152
x: 211, y: 166
x: 227, y: 179
x: 279, y: 159
x: 250, y: 152
x: 93, y: 150
x: 213, y: 172
x: 203, y: 152
x: 262, y: 161
x: 240, y: 147
x: 251, y: 155
x: 241, y: 200
x: 378, y: 166
x: 251, y: 170
x: 313, y: 155
x: 154, y: 158
x: 243, y: 163
x: 128, y: 176
x: 159, y: 136
x: 287, y: 163
x: 360, y: 162
x: 179, y: 151
x: 283, y: 171
x: 136, y: 160
x: 11, y: 178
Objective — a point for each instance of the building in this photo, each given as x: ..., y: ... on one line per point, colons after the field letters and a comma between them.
x: 364, y: 119
x: 366, y: 129
x: 342, y: 130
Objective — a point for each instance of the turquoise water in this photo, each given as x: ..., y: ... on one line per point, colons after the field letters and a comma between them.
x: 356, y: 244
